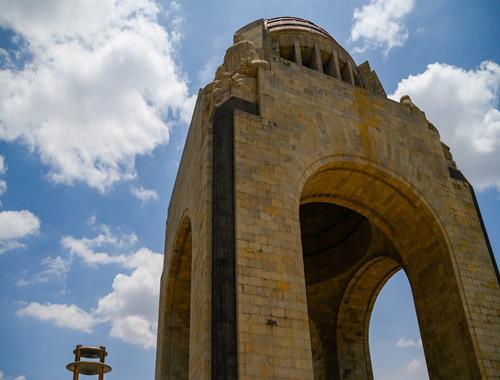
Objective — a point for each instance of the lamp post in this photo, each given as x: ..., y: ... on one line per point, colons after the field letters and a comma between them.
x: 89, y: 367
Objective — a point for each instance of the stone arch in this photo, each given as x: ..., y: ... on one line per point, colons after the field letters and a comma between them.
x: 409, y: 235
x: 354, y: 315
x: 175, y: 307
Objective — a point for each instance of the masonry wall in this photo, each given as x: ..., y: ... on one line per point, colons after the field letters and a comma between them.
x: 316, y: 138
x: 191, y: 198
x: 308, y: 120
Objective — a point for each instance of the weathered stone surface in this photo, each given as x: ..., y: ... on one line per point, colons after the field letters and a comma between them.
x: 307, y: 129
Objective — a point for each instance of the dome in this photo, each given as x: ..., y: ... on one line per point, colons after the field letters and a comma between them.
x: 294, y: 23
x: 297, y: 40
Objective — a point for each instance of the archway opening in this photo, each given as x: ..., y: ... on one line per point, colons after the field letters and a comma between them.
x: 394, y: 335
x: 405, y: 232
x: 347, y: 261
x: 334, y: 238
x: 176, y: 326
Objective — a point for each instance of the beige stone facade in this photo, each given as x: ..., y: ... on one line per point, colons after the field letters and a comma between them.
x: 301, y: 190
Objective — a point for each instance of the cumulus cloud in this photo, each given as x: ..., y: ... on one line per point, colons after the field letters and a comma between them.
x: 131, y: 307
x: 380, y: 24
x: 15, y: 225
x: 145, y: 195
x: 134, y: 329
x: 407, y: 342
x: 68, y: 316
x: 463, y: 104
x: 101, y: 88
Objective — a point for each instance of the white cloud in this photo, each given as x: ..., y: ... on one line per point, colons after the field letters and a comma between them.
x: 3, y: 184
x: 417, y: 367
x: 134, y: 329
x: 53, y: 268
x: 3, y: 169
x: 380, y: 24
x: 3, y: 187
x: 15, y: 225
x: 407, y: 342
x: 85, y: 248
x: 132, y: 306
x: 68, y: 316
x: 145, y: 195
x: 9, y: 245
x: 98, y: 90
x: 2, y: 377
x: 463, y: 105
x: 92, y: 221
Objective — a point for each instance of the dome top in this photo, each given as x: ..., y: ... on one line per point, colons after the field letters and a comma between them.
x: 295, y: 23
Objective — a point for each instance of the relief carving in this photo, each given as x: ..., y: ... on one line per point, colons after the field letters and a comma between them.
x: 237, y: 75
x: 407, y: 102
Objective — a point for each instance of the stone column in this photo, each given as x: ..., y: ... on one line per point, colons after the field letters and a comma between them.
x: 337, y: 65
x: 298, y: 54
x: 318, y: 63
x: 351, y: 74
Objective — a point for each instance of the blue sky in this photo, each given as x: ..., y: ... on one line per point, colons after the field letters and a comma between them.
x: 95, y: 99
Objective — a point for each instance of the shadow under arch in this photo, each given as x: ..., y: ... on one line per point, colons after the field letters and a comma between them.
x: 175, y: 308
x: 405, y: 233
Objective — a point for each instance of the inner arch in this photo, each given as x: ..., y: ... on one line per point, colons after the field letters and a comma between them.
x: 175, y: 308
x: 405, y: 233
x: 346, y: 262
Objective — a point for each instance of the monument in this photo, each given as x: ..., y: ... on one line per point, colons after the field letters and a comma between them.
x: 302, y: 189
